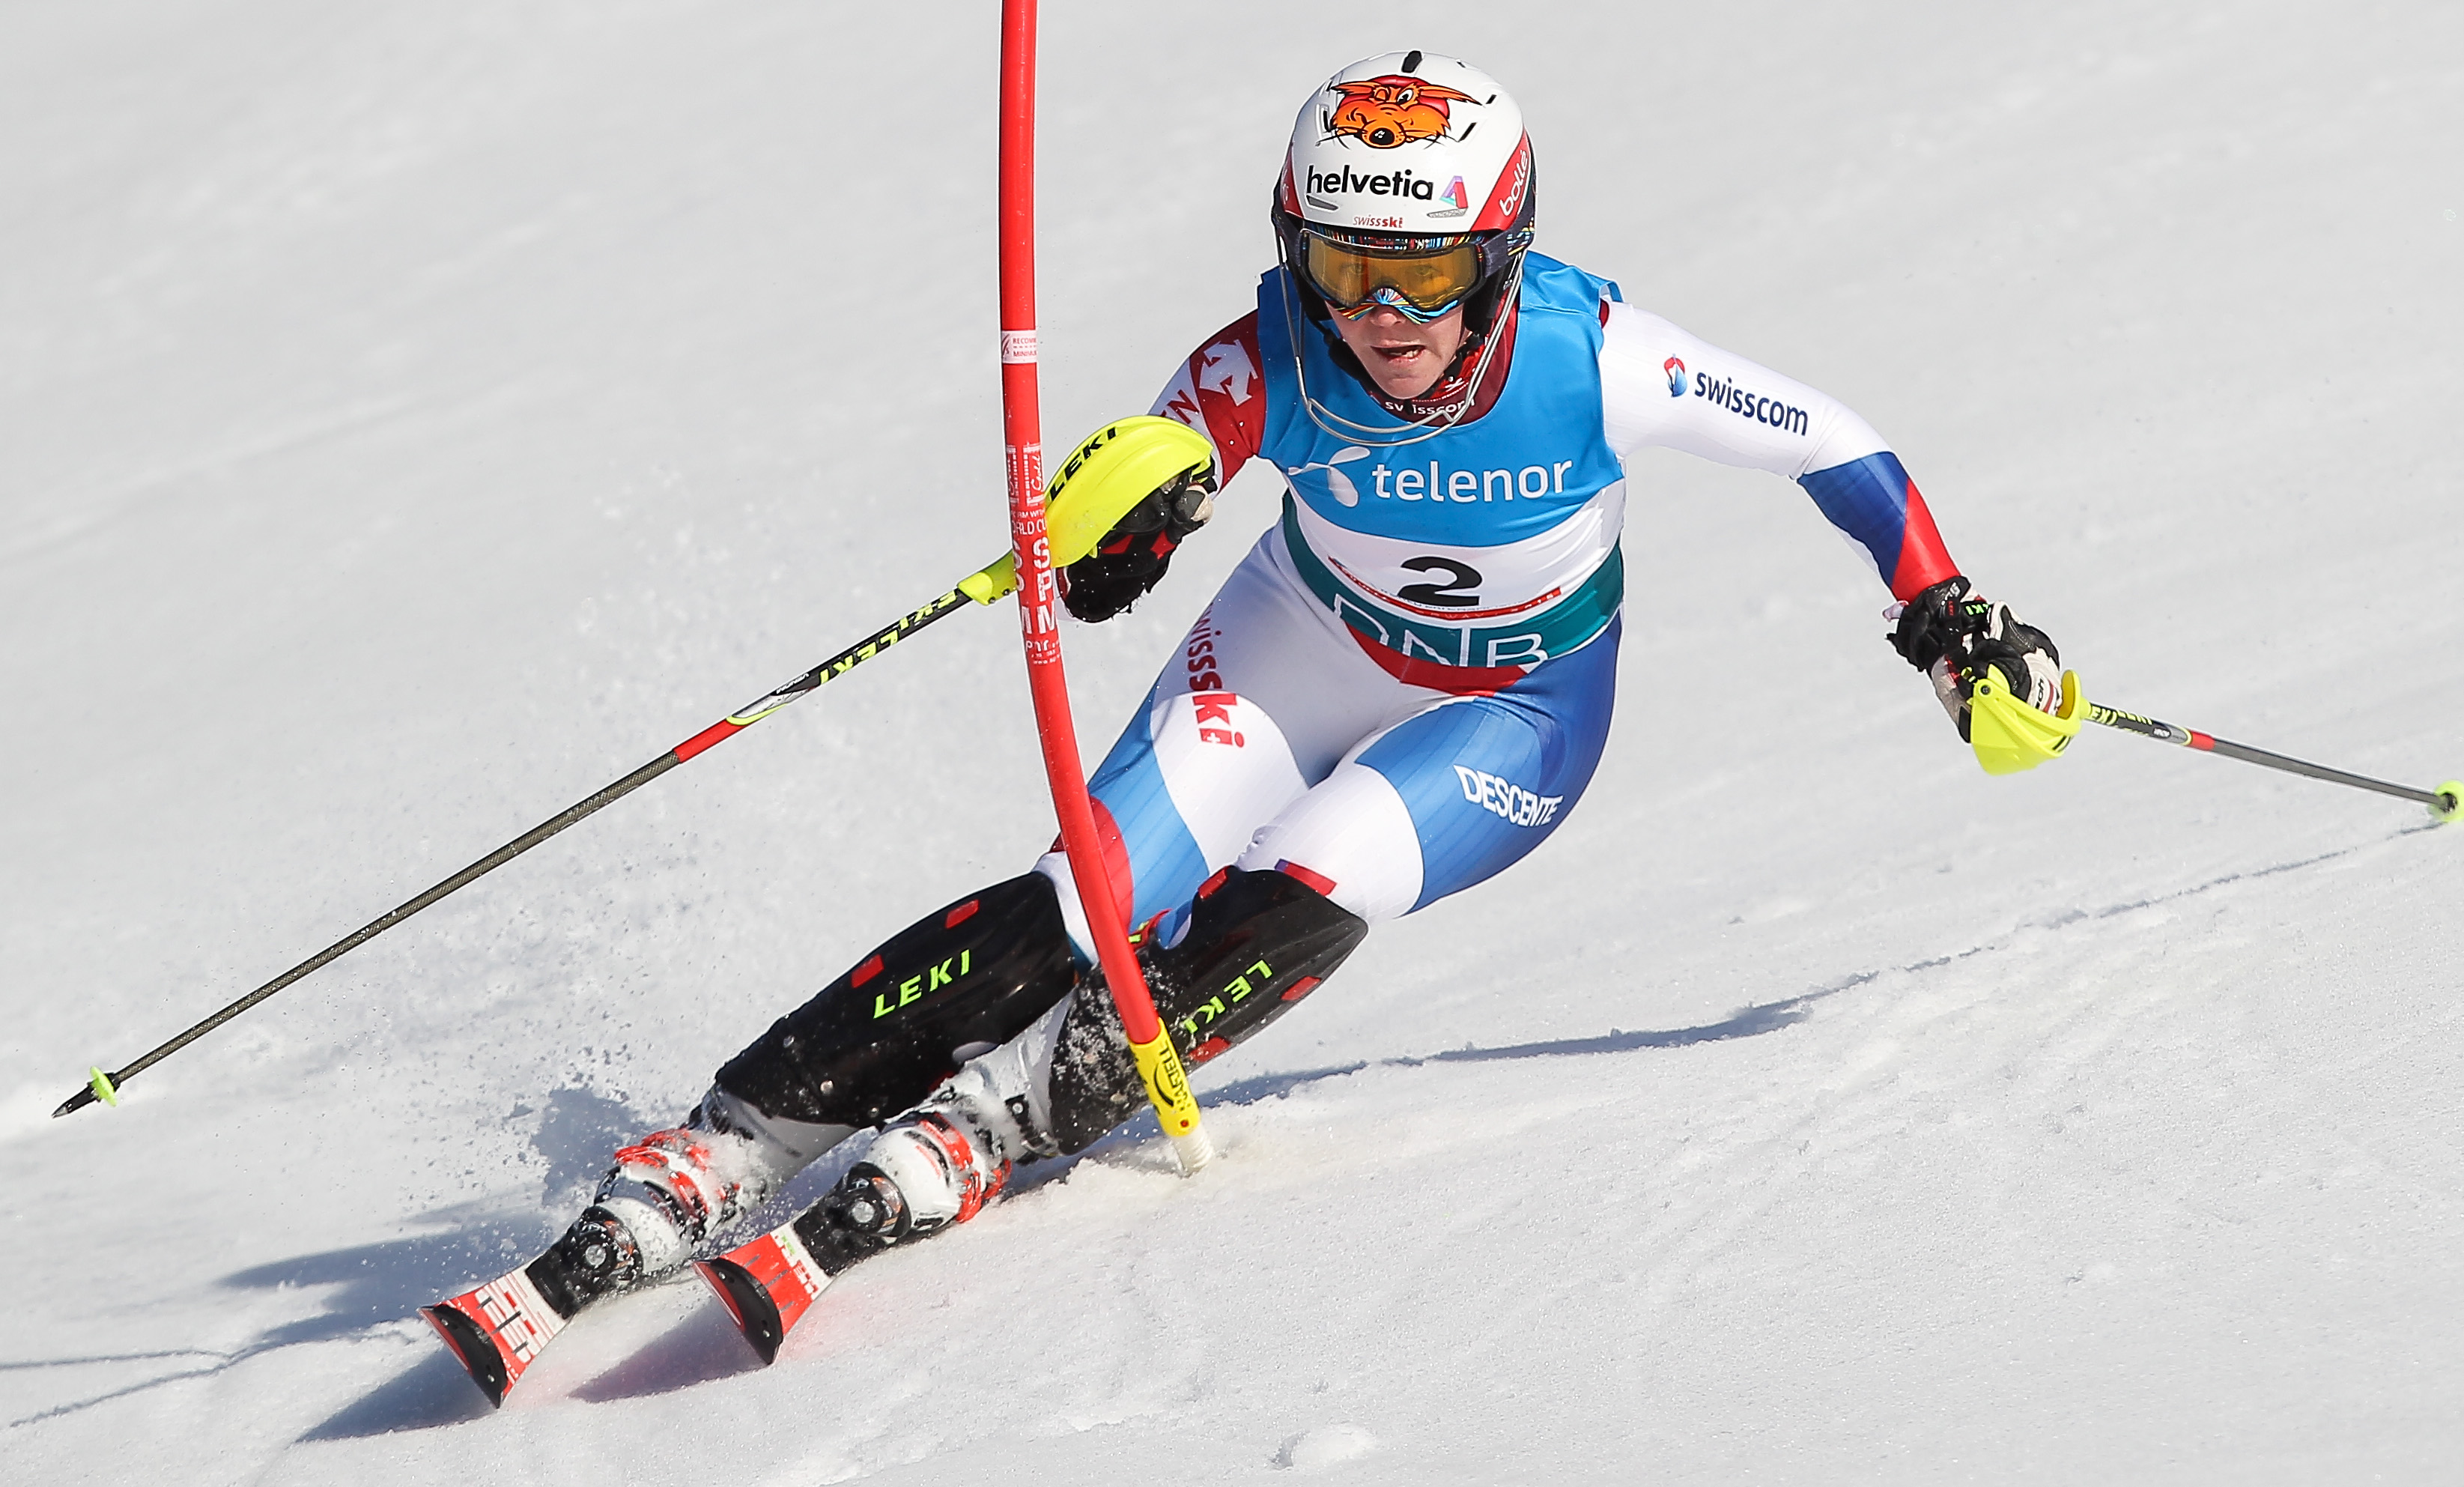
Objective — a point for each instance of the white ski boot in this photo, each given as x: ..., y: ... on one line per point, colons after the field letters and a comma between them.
x: 673, y: 1188
x: 942, y: 1162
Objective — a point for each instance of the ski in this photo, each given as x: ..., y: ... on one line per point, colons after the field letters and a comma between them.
x: 768, y: 1286
x: 499, y: 1330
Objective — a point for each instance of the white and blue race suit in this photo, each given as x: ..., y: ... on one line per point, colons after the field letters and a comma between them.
x: 1407, y: 683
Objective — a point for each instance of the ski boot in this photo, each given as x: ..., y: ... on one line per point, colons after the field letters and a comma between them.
x: 664, y: 1194
x: 934, y: 1169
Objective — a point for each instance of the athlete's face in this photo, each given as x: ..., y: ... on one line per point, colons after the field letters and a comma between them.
x: 1405, y: 359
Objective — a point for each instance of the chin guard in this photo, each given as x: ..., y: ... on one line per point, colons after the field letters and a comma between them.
x: 2009, y: 735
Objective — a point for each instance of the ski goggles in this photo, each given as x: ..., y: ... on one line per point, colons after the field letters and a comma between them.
x: 1424, y: 277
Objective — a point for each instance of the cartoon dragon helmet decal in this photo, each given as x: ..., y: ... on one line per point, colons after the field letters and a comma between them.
x: 1410, y: 143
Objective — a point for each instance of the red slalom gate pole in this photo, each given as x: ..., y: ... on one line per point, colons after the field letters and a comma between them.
x: 1038, y: 597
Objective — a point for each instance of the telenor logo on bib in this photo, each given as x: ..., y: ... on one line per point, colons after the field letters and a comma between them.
x: 1338, y: 484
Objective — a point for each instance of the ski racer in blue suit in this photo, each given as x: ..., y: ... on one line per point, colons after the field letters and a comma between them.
x: 1402, y: 691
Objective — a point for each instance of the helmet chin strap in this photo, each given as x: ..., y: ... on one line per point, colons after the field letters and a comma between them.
x: 1397, y: 434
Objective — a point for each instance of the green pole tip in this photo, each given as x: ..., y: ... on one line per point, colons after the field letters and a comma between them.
x: 102, y: 1088
x: 2453, y: 794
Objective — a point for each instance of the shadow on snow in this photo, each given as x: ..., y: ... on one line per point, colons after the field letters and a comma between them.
x: 373, y: 1285
x: 1748, y: 1022
x: 385, y: 1282
x: 379, y: 1284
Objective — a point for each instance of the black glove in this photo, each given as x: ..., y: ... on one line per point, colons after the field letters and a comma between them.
x: 1132, y: 556
x: 1952, y: 638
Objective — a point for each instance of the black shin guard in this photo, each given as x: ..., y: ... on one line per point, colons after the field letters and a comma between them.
x: 879, y: 1039
x: 1256, y: 944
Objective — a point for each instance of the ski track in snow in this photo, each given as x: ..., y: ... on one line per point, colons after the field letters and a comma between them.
x: 415, y: 418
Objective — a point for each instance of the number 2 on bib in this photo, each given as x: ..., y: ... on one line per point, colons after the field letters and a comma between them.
x: 1459, y: 590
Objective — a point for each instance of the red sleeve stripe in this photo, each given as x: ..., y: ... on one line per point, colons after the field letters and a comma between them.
x: 1874, y: 502
x: 1923, y: 562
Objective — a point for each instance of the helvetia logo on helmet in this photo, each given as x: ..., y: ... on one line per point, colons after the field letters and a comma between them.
x: 1393, y: 183
x: 1384, y: 113
x: 1676, y: 370
x: 1455, y: 194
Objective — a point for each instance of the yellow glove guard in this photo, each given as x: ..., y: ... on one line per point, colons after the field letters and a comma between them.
x: 2009, y: 735
x: 1109, y: 472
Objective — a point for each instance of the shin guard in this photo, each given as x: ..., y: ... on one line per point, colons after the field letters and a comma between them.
x: 875, y: 1042
x: 1256, y: 942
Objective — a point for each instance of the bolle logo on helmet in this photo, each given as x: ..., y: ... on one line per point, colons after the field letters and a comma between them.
x: 1676, y: 370
x: 1394, y: 110
x: 1508, y: 202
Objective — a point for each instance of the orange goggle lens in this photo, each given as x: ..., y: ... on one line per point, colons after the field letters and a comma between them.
x: 1429, y: 279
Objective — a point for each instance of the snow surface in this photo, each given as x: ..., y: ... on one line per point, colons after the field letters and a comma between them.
x: 413, y: 416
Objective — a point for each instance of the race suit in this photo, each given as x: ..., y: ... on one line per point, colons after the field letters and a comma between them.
x: 1401, y: 690
x: 1406, y: 684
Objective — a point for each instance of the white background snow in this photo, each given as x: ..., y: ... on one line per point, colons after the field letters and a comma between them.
x: 413, y: 416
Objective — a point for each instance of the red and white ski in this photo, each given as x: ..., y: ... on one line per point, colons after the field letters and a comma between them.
x: 768, y: 1285
x: 496, y: 1330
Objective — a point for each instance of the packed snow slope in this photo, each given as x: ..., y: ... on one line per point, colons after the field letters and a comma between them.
x: 413, y: 416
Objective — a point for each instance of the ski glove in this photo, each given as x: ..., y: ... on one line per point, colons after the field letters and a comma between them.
x: 1952, y: 638
x: 1132, y: 556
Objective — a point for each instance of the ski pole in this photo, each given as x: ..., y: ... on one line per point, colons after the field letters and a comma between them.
x: 2444, y: 803
x: 1112, y: 471
x: 982, y: 588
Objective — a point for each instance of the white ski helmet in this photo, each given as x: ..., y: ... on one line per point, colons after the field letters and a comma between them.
x: 1410, y: 143
x: 1411, y: 148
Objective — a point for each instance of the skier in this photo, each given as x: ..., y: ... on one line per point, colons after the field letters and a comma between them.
x: 1402, y: 691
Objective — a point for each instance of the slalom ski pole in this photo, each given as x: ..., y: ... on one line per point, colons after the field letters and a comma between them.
x: 2009, y: 735
x: 980, y: 587
x: 1104, y: 476
x: 2444, y: 803
x: 1159, y: 1062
